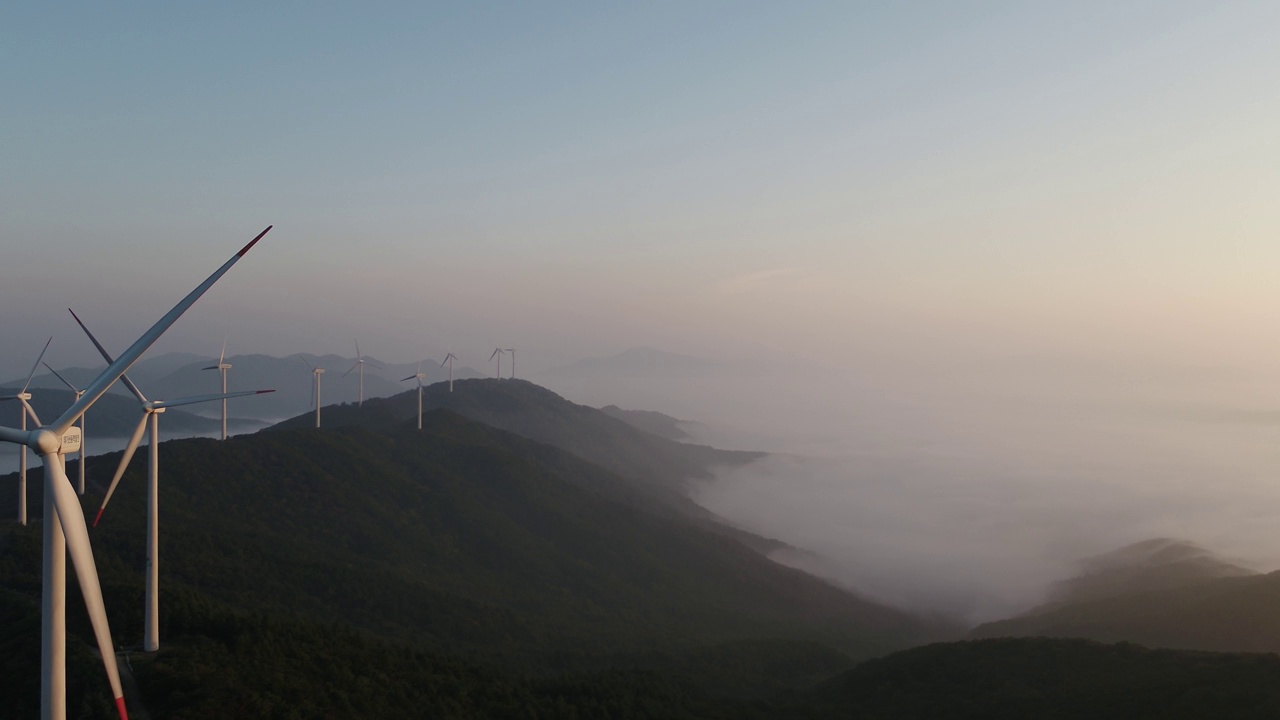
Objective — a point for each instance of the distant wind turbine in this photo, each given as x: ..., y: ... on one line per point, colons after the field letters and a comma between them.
x: 80, y: 453
x: 359, y: 364
x: 64, y: 528
x: 316, y: 372
x: 449, y: 359
x: 222, y: 367
x: 418, y: 377
x: 24, y: 412
x: 151, y: 411
x: 513, y: 362
x: 498, y: 354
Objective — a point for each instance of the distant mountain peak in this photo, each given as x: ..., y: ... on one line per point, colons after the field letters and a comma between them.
x: 645, y: 351
x: 1150, y: 553
x: 639, y: 361
x: 1165, y: 592
x: 650, y: 421
x: 1154, y: 564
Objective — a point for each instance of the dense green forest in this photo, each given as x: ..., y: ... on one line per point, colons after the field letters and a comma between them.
x: 1054, y: 679
x: 218, y: 663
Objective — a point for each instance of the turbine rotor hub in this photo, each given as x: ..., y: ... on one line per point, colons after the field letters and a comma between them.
x: 45, y: 442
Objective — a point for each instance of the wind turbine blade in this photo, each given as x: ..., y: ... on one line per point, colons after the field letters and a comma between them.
x: 408, y: 378
x: 304, y: 362
x: 69, y: 514
x: 495, y: 352
x: 130, y: 356
x: 353, y: 367
x: 222, y: 355
x: 442, y: 362
x: 193, y: 399
x: 14, y: 435
x: 64, y: 380
x: 358, y: 355
x: 211, y: 367
x: 31, y: 412
x: 36, y: 366
x: 124, y: 463
x: 107, y: 356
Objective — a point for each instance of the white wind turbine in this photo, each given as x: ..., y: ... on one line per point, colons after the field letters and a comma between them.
x: 80, y: 454
x: 497, y: 352
x: 151, y: 411
x: 449, y: 359
x: 24, y: 412
x: 513, y: 362
x: 316, y: 372
x: 359, y: 364
x: 64, y: 528
x: 222, y: 367
x: 418, y: 377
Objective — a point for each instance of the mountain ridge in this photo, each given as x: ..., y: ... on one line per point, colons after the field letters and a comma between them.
x: 659, y: 466
x: 1158, y: 593
x: 465, y: 536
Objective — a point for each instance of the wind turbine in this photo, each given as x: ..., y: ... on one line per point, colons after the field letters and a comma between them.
x: 449, y: 359
x: 64, y: 527
x: 316, y: 372
x: 151, y: 411
x: 222, y: 367
x: 359, y: 364
x: 418, y: 377
x: 24, y: 412
x: 513, y: 362
x: 79, y: 393
x: 497, y: 352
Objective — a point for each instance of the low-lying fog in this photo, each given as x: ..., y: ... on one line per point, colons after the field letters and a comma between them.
x: 967, y: 492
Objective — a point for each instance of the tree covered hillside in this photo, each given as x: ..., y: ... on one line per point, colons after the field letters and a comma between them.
x: 536, y: 413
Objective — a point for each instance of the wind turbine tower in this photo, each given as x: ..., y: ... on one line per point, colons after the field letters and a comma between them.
x: 222, y: 367
x: 25, y: 411
x: 79, y: 455
x: 513, y: 362
x: 151, y: 411
x: 449, y: 359
x: 65, y: 532
x: 359, y: 364
x: 316, y: 372
x: 418, y: 377
x: 497, y: 352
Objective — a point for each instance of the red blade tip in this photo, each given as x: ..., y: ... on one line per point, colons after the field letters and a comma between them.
x: 253, y: 242
x: 124, y: 715
x: 98, y: 516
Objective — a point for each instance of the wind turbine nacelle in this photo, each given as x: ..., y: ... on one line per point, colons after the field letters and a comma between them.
x: 71, y: 440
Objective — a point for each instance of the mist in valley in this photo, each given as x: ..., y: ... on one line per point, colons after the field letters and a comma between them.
x: 967, y: 490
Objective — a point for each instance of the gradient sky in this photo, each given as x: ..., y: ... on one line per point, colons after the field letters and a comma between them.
x: 844, y: 182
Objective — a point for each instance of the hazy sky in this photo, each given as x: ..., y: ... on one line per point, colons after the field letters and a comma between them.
x: 1020, y: 259
x: 847, y: 182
